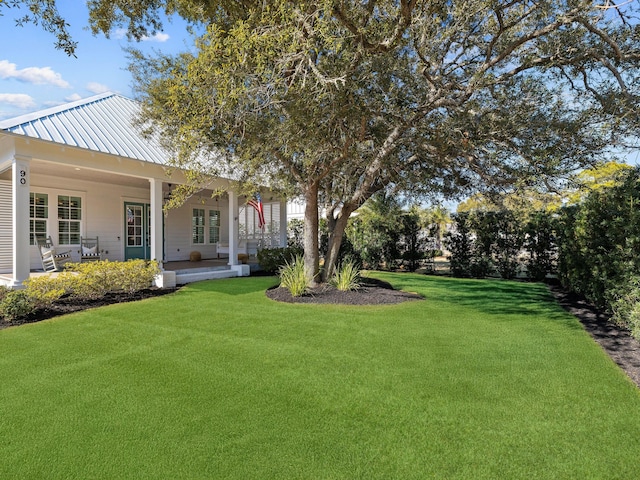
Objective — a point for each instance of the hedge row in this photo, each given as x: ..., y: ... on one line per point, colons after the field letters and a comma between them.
x: 500, y: 243
x: 599, y: 246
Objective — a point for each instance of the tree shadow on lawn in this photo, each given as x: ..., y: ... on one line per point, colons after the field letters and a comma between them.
x: 232, y: 286
x: 499, y: 297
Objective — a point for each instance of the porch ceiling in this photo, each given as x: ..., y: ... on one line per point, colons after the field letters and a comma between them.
x: 79, y: 173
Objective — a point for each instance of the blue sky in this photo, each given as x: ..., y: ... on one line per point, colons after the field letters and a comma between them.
x: 35, y: 75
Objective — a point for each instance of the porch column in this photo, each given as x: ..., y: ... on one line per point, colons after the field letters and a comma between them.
x: 234, y: 212
x: 283, y: 223
x: 20, y: 173
x: 155, y: 234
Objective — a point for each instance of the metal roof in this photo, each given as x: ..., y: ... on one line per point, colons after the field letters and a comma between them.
x: 102, y: 123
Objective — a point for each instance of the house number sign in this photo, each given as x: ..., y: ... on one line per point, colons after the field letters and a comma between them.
x: 22, y: 175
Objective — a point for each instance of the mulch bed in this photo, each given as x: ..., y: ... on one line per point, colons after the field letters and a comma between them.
x: 69, y: 305
x: 616, y: 341
x: 371, y: 292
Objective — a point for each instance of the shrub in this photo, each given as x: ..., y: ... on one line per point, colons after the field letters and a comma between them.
x: 271, y: 260
x: 346, y: 276
x: 96, y: 279
x: 16, y: 304
x: 294, y: 278
x: 460, y: 244
x: 3, y: 291
x: 625, y: 304
x: 44, y: 290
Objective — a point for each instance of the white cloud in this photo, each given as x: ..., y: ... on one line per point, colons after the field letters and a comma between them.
x: 158, y: 37
x: 19, y: 100
x: 96, y: 87
x: 35, y: 75
x: 72, y: 98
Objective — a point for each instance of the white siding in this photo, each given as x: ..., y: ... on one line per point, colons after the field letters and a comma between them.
x: 6, y: 227
x: 178, y: 234
x: 102, y: 212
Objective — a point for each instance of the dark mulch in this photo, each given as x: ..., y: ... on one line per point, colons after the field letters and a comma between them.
x: 70, y: 305
x: 371, y: 292
x: 616, y: 341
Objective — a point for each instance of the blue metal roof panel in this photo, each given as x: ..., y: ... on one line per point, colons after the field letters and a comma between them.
x: 103, y: 123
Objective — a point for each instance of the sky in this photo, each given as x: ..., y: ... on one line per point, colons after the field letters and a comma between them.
x: 34, y: 75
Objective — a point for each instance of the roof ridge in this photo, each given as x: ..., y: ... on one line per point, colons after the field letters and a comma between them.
x: 30, y: 117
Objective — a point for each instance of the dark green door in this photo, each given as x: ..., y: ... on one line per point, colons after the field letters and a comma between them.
x: 137, y: 228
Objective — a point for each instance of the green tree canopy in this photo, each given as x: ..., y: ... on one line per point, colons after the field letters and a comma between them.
x: 335, y: 100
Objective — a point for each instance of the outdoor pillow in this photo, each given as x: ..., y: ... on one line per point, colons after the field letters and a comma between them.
x: 89, y: 251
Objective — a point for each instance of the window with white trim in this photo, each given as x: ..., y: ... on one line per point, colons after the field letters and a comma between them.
x: 69, y: 218
x: 197, y: 226
x: 38, y: 216
x: 214, y: 226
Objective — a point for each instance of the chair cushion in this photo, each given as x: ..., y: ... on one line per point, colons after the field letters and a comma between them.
x: 89, y: 251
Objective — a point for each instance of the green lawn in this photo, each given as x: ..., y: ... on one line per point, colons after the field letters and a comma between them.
x: 483, y: 379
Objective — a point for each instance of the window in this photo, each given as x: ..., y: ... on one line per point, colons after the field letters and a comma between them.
x: 38, y: 215
x: 214, y: 226
x: 197, y: 225
x: 69, y: 217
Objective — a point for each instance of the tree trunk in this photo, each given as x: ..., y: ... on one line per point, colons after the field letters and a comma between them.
x: 336, y: 231
x: 311, y: 252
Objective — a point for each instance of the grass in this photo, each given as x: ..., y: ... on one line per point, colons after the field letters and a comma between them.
x: 484, y: 379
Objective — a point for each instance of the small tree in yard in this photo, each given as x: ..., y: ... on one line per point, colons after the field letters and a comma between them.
x: 335, y: 101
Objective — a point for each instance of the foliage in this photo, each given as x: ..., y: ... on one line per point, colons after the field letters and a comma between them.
x: 294, y: 278
x: 45, y: 14
x: 413, y: 242
x: 16, y: 304
x: 382, y: 233
x: 483, y: 241
x: 96, y: 279
x: 85, y: 281
x: 599, y: 245
x: 45, y: 290
x: 540, y: 244
x: 346, y: 276
x: 3, y: 291
x: 335, y: 102
x: 460, y: 244
x: 625, y: 305
x: 376, y: 231
x: 295, y: 233
x: 271, y: 260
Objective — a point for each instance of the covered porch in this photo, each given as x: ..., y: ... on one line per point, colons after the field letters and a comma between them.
x: 85, y: 183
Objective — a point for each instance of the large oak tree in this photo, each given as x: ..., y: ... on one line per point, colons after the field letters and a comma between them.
x: 336, y: 100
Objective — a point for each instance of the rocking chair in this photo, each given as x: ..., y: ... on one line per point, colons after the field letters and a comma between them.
x: 89, y: 249
x: 52, y: 260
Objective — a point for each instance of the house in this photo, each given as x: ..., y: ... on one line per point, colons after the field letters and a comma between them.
x: 83, y: 169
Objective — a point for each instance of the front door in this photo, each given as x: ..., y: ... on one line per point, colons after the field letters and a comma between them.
x: 137, y: 228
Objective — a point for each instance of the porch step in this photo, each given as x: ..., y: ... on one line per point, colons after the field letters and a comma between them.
x: 198, y: 274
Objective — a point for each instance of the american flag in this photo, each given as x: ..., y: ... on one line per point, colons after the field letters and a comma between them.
x: 256, y: 202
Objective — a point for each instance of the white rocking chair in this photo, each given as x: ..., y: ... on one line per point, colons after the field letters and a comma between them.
x: 52, y: 260
x: 89, y: 249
